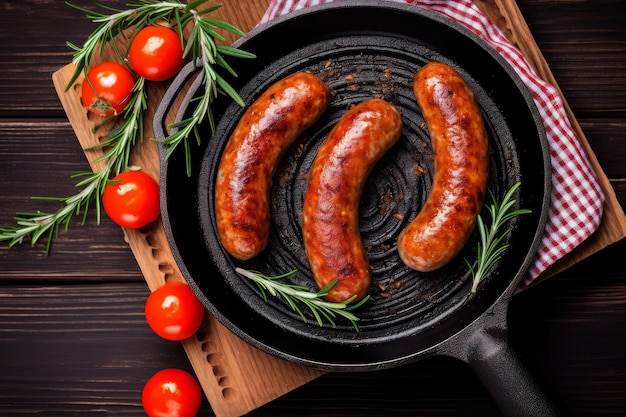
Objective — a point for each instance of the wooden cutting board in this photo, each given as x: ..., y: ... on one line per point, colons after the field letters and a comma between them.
x: 233, y: 374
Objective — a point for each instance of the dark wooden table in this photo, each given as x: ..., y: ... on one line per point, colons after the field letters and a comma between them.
x: 73, y: 339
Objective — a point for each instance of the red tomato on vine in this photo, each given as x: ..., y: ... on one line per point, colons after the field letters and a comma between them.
x: 173, y: 311
x: 172, y: 392
x: 131, y: 199
x: 156, y: 53
x: 107, y: 89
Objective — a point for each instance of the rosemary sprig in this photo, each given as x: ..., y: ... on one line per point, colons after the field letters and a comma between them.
x: 291, y: 293
x: 214, y: 84
x: 201, y: 47
x: 114, y: 22
x: 119, y: 143
x: 489, y: 248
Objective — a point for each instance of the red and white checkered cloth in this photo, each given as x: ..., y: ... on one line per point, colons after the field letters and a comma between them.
x: 577, y: 199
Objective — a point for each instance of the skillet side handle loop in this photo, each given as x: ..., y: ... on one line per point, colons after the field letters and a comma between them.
x: 169, y: 98
x: 508, y: 380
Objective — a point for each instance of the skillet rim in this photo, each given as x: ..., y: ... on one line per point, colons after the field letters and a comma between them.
x: 347, y: 4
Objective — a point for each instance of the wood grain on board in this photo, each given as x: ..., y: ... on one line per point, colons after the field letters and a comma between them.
x: 234, y: 375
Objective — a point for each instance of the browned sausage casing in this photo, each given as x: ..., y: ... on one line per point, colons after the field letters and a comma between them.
x: 460, y: 143
x: 269, y: 126
x: 331, y: 206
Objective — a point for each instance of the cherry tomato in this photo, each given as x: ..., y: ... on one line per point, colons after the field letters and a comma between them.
x: 108, y: 90
x: 156, y: 53
x: 132, y: 199
x: 172, y: 392
x: 173, y: 311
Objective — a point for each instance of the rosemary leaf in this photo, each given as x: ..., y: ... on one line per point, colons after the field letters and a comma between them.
x: 208, y: 10
x: 230, y: 51
x: 196, y: 3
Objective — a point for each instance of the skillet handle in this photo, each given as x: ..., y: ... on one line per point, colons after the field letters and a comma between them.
x: 508, y: 380
x: 175, y: 88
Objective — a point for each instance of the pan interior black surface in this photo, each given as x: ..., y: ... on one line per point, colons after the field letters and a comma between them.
x: 361, y: 52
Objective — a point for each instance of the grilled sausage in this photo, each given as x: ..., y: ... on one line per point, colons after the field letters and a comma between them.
x: 331, y: 233
x: 460, y: 143
x: 266, y: 130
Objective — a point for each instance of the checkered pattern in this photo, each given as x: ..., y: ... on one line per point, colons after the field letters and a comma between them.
x: 577, y: 199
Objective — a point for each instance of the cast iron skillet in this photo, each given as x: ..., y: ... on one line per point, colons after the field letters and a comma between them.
x: 366, y: 49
